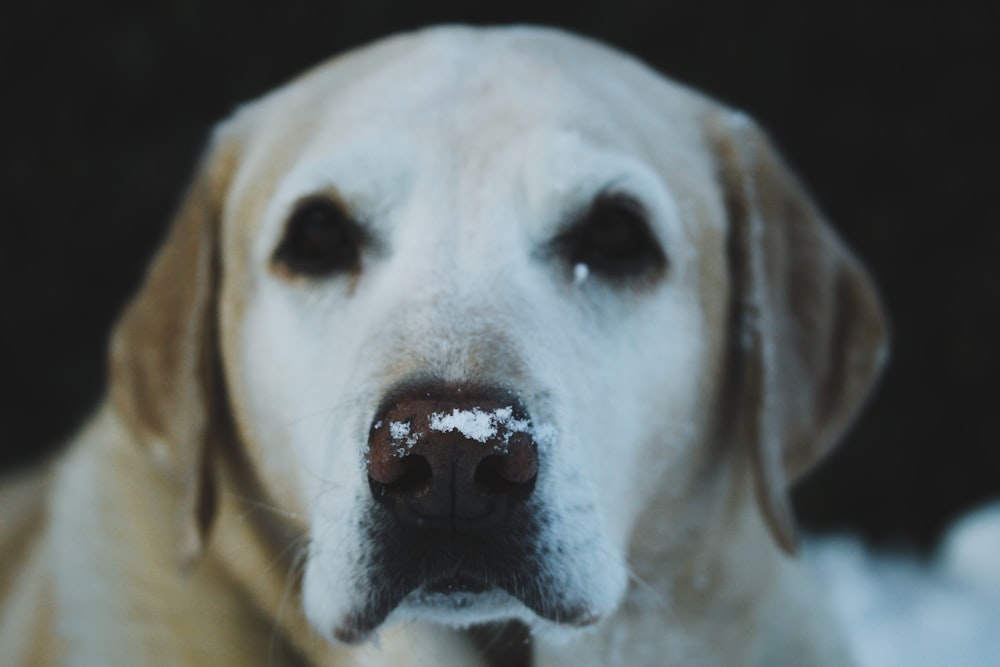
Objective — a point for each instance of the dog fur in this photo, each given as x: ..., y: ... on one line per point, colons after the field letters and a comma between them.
x: 216, y: 510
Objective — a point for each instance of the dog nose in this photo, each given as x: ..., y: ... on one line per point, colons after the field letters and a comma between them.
x: 453, y: 457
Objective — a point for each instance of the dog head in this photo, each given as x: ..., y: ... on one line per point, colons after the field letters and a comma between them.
x: 471, y: 303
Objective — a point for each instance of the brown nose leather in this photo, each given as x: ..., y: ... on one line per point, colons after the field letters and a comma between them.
x: 451, y: 456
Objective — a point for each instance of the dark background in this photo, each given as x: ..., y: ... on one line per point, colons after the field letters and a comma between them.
x: 887, y: 111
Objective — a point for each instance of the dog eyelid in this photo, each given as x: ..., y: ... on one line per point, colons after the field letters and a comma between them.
x: 321, y: 239
x: 611, y: 239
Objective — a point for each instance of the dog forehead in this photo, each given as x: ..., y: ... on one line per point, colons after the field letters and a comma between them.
x: 451, y: 113
x: 469, y: 91
x: 455, y: 72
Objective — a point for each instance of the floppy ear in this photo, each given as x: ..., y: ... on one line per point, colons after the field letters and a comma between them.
x: 164, y: 381
x: 809, y: 330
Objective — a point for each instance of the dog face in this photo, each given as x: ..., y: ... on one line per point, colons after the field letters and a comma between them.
x: 474, y: 304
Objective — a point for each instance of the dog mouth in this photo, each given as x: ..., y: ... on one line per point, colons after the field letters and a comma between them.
x: 462, y: 601
x: 460, y: 580
x: 456, y: 599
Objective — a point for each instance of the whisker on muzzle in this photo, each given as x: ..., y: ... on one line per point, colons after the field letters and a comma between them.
x: 292, y: 578
x: 268, y: 507
x: 651, y: 594
x: 348, y: 402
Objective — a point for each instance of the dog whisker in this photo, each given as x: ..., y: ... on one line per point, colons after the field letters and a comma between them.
x: 651, y: 594
x: 293, y: 577
x: 333, y: 410
x: 255, y: 504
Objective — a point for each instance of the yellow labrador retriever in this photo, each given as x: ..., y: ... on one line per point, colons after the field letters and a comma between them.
x: 466, y: 327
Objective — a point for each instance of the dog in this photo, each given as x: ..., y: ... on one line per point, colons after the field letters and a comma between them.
x: 470, y: 328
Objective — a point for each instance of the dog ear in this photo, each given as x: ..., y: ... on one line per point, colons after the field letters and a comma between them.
x: 809, y: 334
x: 163, y: 376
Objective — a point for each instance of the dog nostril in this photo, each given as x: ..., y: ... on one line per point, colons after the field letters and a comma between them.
x: 501, y: 474
x: 406, y: 476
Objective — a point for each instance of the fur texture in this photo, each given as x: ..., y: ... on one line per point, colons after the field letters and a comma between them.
x: 217, y: 510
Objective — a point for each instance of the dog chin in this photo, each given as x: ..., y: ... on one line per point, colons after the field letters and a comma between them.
x: 456, y: 608
x: 460, y: 606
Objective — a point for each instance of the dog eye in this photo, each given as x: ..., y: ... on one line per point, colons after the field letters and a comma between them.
x: 320, y: 239
x: 613, y: 240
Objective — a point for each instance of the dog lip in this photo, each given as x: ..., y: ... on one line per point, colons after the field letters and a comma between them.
x: 357, y: 627
x: 579, y: 618
x: 456, y: 590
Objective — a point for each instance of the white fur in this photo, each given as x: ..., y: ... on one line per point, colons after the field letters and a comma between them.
x: 900, y: 612
x: 464, y: 154
x: 465, y: 202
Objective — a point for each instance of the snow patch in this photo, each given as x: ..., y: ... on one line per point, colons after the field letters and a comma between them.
x: 478, y: 425
x: 402, y: 437
x: 971, y: 552
x: 399, y: 430
x: 898, y: 611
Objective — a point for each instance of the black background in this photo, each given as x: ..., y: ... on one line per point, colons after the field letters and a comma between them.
x: 886, y: 109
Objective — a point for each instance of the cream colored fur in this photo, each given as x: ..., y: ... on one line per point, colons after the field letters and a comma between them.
x: 209, y: 512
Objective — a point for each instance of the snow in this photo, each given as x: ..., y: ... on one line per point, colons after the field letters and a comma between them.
x: 399, y: 430
x: 580, y: 273
x: 971, y: 552
x: 475, y: 424
x: 478, y: 425
x: 898, y: 611
x: 402, y: 437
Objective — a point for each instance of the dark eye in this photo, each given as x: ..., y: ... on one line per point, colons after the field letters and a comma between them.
x: 613, y: 240
x: 320, y: 239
